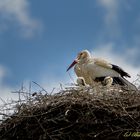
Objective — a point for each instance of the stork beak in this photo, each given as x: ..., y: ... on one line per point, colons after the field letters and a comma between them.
x: 73, y: 63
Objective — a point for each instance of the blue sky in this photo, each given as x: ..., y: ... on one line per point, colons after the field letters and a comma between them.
x: 39, y: 39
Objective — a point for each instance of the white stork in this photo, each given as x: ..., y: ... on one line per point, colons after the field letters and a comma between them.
x: 95, y: 69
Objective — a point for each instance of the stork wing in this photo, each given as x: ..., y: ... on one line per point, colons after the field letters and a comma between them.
x: 116, y: 68
x: 120, y: 70
x: 102, y: 63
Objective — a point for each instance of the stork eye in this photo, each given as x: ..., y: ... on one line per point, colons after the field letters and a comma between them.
x: 80, y: 55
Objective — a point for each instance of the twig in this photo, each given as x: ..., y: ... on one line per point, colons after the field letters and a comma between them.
x: 52, y: 91
x: 40, y: 87
x: 2, y: 100
x: 3, y: 114
x: 128, y: 114
x: 71, y: 78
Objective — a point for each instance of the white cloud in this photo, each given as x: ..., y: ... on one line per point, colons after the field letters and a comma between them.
x: 5, y: 91
x: 106, y: 51
x: 2, y: 73
x: 110, y: 4
x: 111, y: 7
x: 53, y: 83
x: 111, y: 16
x: 17, y: 11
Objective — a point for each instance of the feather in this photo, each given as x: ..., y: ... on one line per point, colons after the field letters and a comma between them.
x: 102, y: 63
x: 120, y: 71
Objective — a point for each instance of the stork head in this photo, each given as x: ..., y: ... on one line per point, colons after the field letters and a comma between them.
x: 82, y: 57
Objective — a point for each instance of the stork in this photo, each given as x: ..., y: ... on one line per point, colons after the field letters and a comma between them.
x: 81, y: 81
x: 99, y: 70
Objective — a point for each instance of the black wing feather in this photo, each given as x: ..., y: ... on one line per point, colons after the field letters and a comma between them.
x: 120, y: 71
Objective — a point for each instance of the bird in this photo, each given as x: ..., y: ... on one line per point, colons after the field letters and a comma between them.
x: 99, y: 70
x: 81, y: 81
x: 108, y: 81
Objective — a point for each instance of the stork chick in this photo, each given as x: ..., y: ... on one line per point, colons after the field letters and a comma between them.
x: 81, y: 81
x: 108, y: 81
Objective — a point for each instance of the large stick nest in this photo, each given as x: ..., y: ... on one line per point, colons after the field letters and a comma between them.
x: 75, y: 114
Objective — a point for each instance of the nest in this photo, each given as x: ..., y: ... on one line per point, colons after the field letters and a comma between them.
x: 75, y: 114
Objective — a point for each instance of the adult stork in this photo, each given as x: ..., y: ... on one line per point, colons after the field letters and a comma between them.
x: 99, y: 70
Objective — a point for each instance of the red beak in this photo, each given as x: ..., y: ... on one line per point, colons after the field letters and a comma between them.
x: 73, y: 63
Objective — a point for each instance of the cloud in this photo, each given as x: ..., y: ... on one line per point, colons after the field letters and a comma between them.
x: 106, y: 51
x: 111, y: 16
x: 53, y: 83
x: 5, y: 90
x: 17, y: 11
x: 2, y: 73
x: 111, y: 9
x: 109, y: 4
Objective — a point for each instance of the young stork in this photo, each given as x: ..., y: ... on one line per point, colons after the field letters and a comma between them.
x: 81, y: 81
x: 99, y: 70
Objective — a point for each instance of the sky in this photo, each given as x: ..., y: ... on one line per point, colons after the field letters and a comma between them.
x: 39, y: 39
